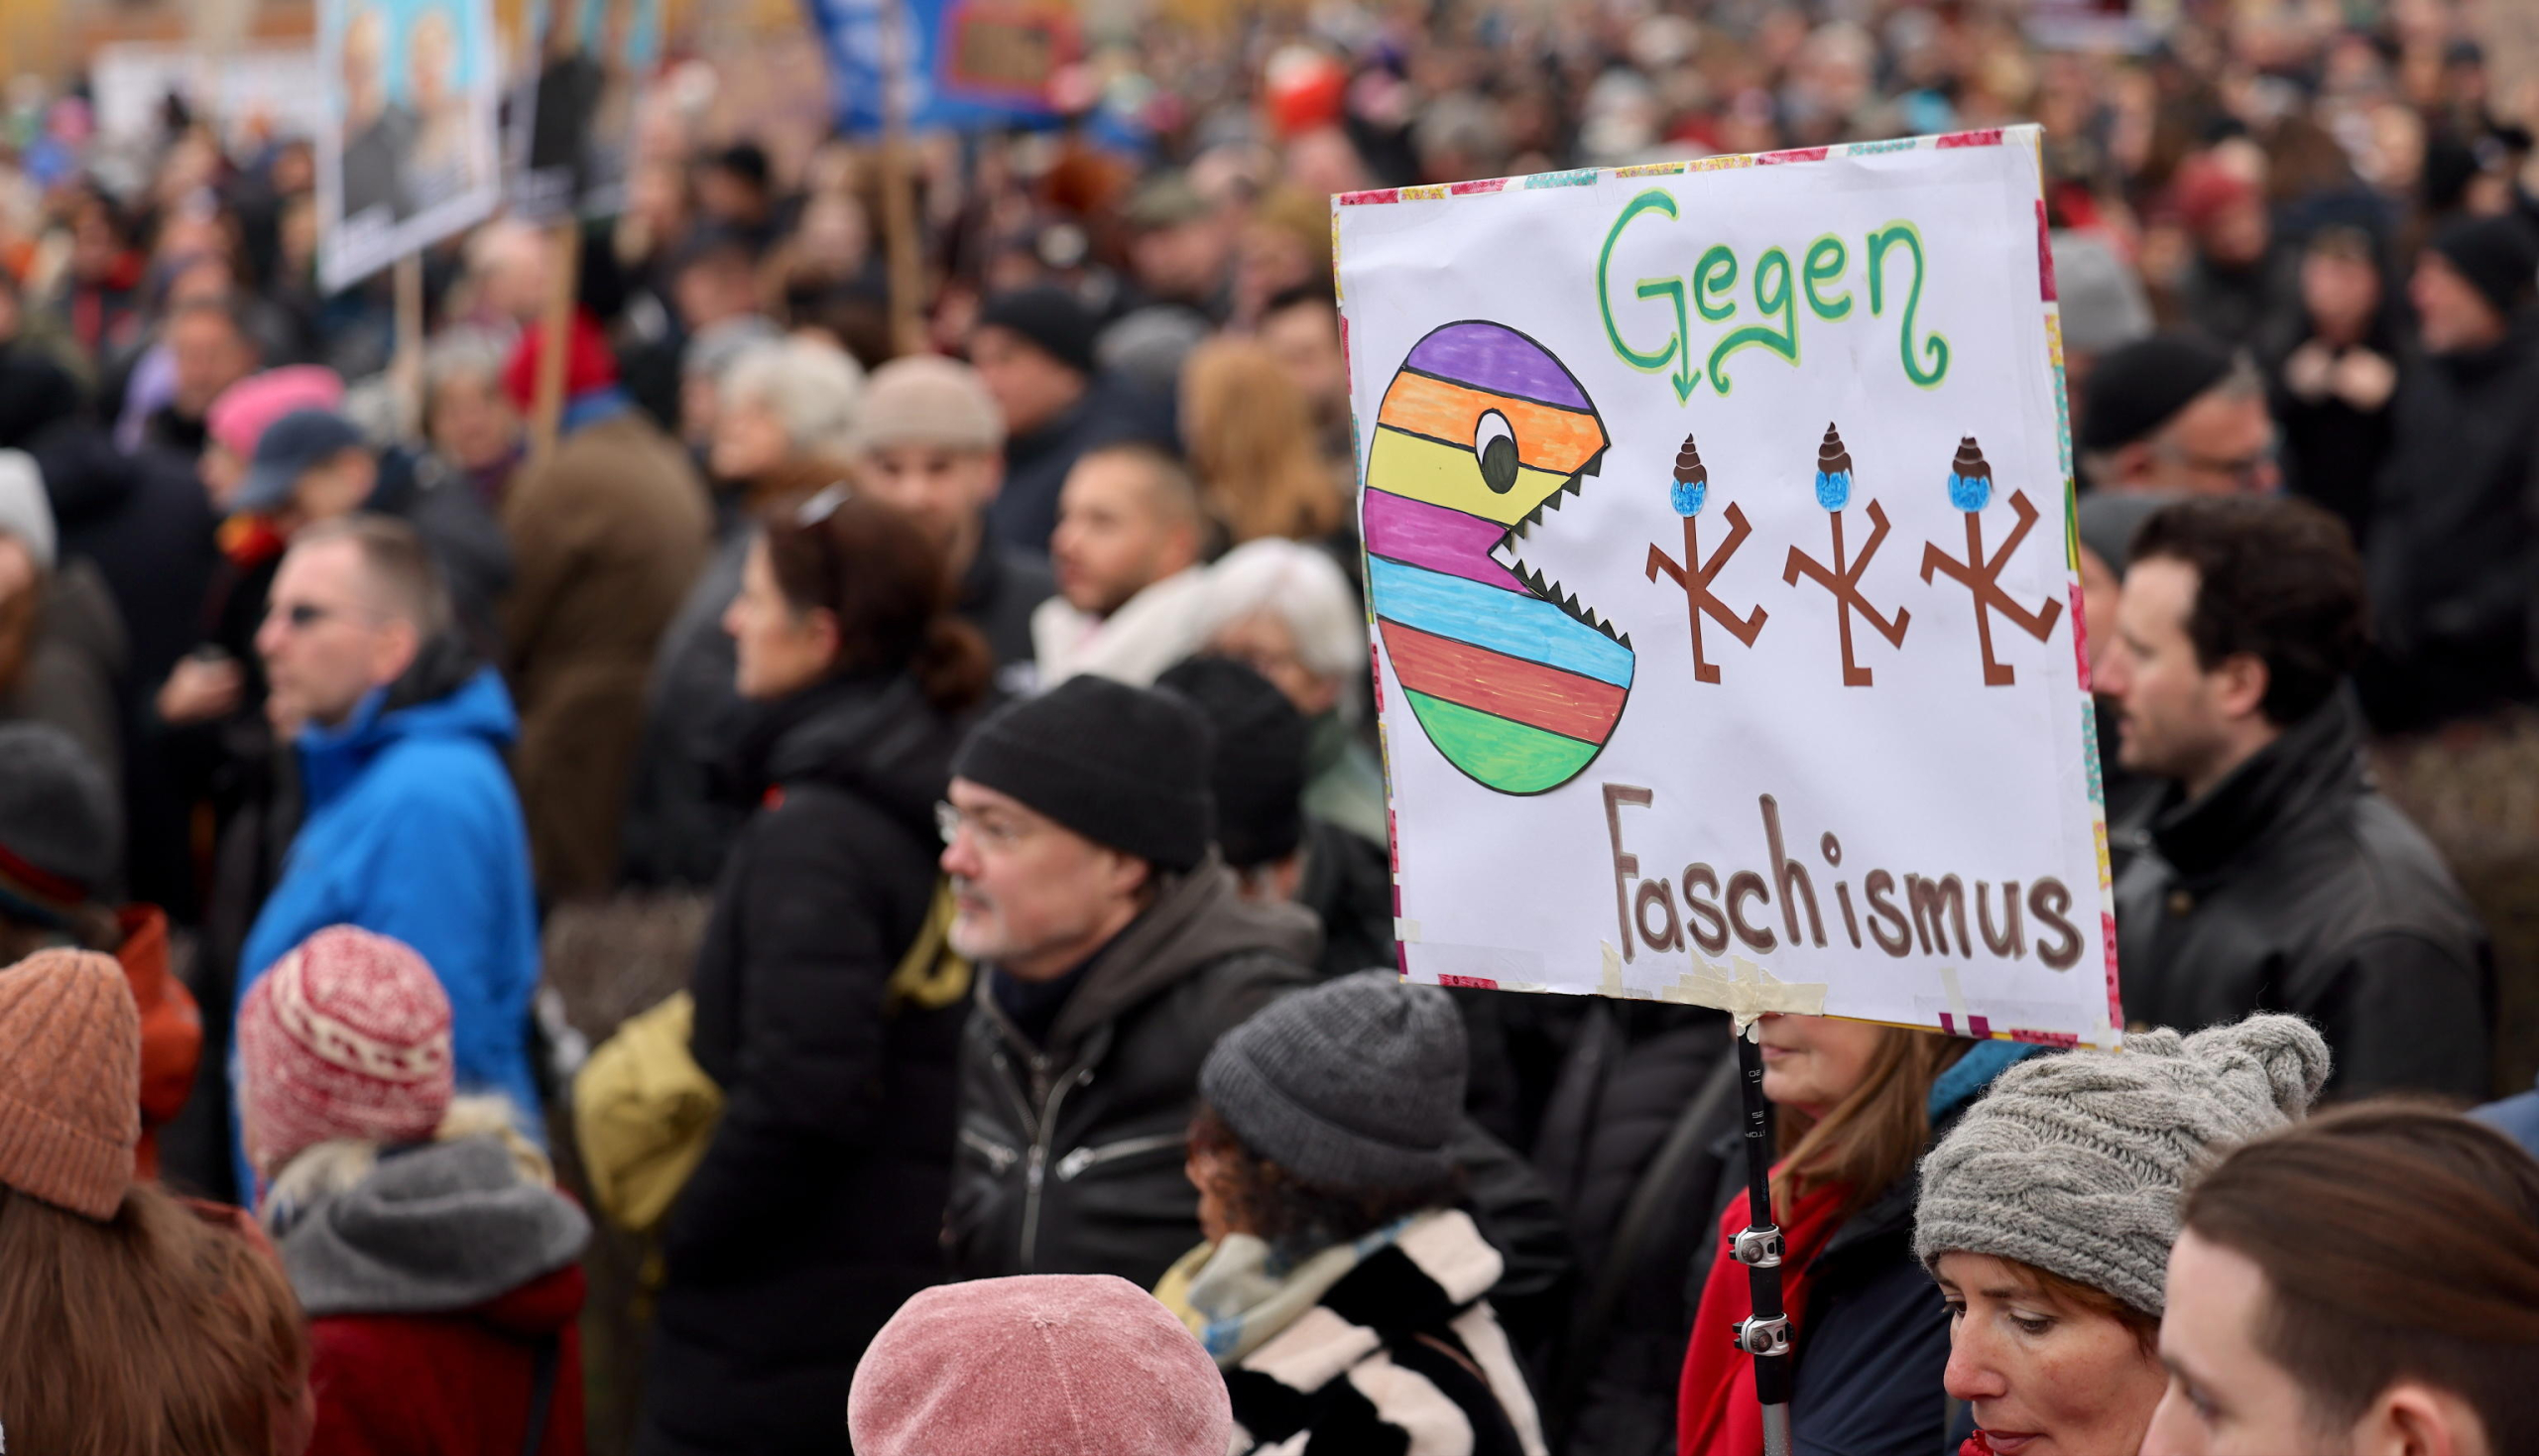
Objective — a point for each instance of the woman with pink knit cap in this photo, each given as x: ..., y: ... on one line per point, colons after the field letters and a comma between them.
x: 423, y: 1233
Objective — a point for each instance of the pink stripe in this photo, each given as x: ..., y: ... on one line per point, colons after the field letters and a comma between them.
x: 1372, y: 194
x: 2115, y: 995
x: 2044, y: 251
x: 1421, y: 534
x: 1979, y: 1026
x: 2060, y: 1041
x: 1948, y: 1024
x: 1796, y: 153
x: 1987, y: 138
x: 1466, y: 189
x: 2079, y: 638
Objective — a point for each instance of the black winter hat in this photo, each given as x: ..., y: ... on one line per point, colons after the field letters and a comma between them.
x: 2137, y: 388
x: 2499, y: 256
x: 1055, y: 323
x: 1125, y: 767
x: 58, y: 828
x: 1260, y: 776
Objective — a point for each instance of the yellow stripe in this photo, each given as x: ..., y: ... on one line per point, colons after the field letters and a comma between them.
x: 1546, y: 437
x: 1443, y: 475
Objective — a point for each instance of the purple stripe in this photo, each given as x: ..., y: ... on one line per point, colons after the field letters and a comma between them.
x: 1421, y: 534
x: 1492, y: 356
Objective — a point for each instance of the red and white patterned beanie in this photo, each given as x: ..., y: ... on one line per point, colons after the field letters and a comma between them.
x: 346, y: 1037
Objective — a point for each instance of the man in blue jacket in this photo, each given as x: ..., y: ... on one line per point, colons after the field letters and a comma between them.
x: 410, y: 827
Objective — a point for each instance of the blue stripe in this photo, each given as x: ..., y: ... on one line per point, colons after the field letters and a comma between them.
x: 1486, y: 616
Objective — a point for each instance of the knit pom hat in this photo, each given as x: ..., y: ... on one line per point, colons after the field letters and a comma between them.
x: 1053, y: 1365
x: 2075, y: 1163
x: 1357, y: 1084
x: 346, y: 1037
x: 69, y: 1081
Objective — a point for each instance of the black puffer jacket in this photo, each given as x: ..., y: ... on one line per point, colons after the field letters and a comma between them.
x: 813, y: 1216
x: 2293, y: 886
x: 1070, y: 1157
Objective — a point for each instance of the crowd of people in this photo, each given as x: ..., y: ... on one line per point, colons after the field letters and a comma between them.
x: 988, y: 691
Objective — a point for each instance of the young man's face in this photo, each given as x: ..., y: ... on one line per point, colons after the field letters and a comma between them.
x: 1115, y: 536
x: 2173, y: 725
x: 943, y: 489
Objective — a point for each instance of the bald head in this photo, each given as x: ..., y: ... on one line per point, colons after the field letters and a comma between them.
x: 1129, y: 517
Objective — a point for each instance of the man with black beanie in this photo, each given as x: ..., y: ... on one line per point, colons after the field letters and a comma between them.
x: 2176, y: 414
x: 1034, y: 349
x: 1280, y: 852
x: 1113, y: 948
x: 2451, y: 549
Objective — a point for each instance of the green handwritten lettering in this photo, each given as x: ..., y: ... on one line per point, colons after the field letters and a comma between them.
x: 1655, y: 199
x: 1826, y: 260
x: 1935, y: 348
x: 1715, y: 274
x: 1774, y: 294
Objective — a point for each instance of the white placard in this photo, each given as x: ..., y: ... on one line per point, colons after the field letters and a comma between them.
x: 1723, y: 589
x: 408, y: 154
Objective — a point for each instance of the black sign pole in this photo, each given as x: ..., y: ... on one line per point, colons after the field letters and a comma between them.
x: 1765, y: 1334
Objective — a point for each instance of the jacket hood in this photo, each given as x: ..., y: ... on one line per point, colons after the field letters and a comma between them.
x: 435, y: 1229
x: 446, y: 694
x: 871, y: 735
x: 83, y: 473
x: 1196, y: 920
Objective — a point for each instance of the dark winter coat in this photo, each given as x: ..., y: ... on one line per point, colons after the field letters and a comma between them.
x: 816, y: 1210
x: 1070, y: 1157
x: 1872, y: 1341
x: 1630, y: 1140
x: 147, y: 524
x: 74, y: 673
x: 36, y: 393
x: 1025, y: 510
x: 1348, y: 884
x: 1003, y: 583
x: 2293, y: 886
x: 2452, y: 550
x: 607, y: 532
x: 442, y: 1292
x: 474, y: 556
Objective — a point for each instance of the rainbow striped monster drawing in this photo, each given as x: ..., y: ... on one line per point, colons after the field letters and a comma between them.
x: 1480, y: 434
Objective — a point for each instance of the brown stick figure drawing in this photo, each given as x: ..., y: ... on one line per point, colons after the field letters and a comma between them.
x: 1833, y: 492
x: 1691, y: 487
x: 1970, y: 489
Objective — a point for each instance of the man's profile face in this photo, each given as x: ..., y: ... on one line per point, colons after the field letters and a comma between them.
x: 2222, y: 444
x: 324, y: 641
x: 2172, y: 727
x: 1113, y: 538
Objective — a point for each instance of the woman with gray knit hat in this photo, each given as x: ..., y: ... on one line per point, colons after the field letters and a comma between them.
x: 1340, y: 1291
x: 2048, y: 1213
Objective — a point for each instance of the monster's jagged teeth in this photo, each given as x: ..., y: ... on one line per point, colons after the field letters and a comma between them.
x: 1572, y: 485
x: 1504, y: 555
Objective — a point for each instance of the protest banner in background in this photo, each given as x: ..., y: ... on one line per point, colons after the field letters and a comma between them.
x: 1717, y: 523
x: 572, y: 125
x: 964, y: 63
x: 278, y: 89
x: 408, y: 155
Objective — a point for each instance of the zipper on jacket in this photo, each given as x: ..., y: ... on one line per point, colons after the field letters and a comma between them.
x: 1035, y: 1168
x: 1076, y: 1163
x: 999, y: 1156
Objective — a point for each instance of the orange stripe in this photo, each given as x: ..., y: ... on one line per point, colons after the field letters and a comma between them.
x: 1547, y: 439
x: 1531, y: 693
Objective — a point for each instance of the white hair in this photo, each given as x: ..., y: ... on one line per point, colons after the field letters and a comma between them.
x: 811, y: 386
x: 1306, y: 588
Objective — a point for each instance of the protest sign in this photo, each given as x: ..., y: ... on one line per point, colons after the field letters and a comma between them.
x: 278, y: 89
x: 1725, y: 610
x: 573, y: 111
x: 408, y: 155
x: 962, y: 62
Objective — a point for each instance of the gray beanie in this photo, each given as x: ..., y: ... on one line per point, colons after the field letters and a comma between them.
x: 2075, y: 1163
x: 59, y: 835
x: 1356, y: 1085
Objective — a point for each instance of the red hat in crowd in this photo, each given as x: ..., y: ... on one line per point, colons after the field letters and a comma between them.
x: 346, y: 1037
x: 2205, y: 190
x: 588, y: 364
x: 1055, y: 1364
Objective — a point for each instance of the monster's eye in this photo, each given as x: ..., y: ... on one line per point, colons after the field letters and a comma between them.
x: 1494, y: 442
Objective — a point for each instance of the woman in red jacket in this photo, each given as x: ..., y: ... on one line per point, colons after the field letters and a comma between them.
x: 423, y: 1235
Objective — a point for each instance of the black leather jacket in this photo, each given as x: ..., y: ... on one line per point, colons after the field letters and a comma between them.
x: 2293, y: 886
x: 1070, y: 1157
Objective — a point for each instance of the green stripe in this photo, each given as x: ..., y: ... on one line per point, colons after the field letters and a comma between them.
x: 1504, y: 753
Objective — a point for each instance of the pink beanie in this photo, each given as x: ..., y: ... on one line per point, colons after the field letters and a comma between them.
x: 238, y: 419
x: 346, y: 1037
x: 1054, y: 1365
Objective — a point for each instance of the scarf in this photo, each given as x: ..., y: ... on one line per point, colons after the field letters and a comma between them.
x: 1235, y: 1294
x: 1716, y: 1410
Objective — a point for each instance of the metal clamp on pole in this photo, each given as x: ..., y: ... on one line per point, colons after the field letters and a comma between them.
x: 1757, y: 1336
x: 1758, y: 1248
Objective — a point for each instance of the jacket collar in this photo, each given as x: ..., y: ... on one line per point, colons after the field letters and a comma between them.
x: 2319, y: 757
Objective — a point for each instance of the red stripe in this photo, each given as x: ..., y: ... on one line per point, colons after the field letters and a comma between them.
x: 45, y: 885
x: 1796, y: 153
x: 1531, y: 693
x: 1989, y: 137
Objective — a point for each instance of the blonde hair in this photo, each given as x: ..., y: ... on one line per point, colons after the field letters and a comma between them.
x: 1251, y: 438
x: 338, y: 1166
x: 1874, y: 1136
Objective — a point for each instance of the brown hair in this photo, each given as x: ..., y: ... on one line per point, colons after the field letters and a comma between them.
x: 2277, y: 577
x: 2399, y: 1242
x: 1250, y: 436
x: 873, y: 570
x: 2145, y: 1328
x: 1872, y: 1137
x: 150, y: 1334
x: 1296, y: 1218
